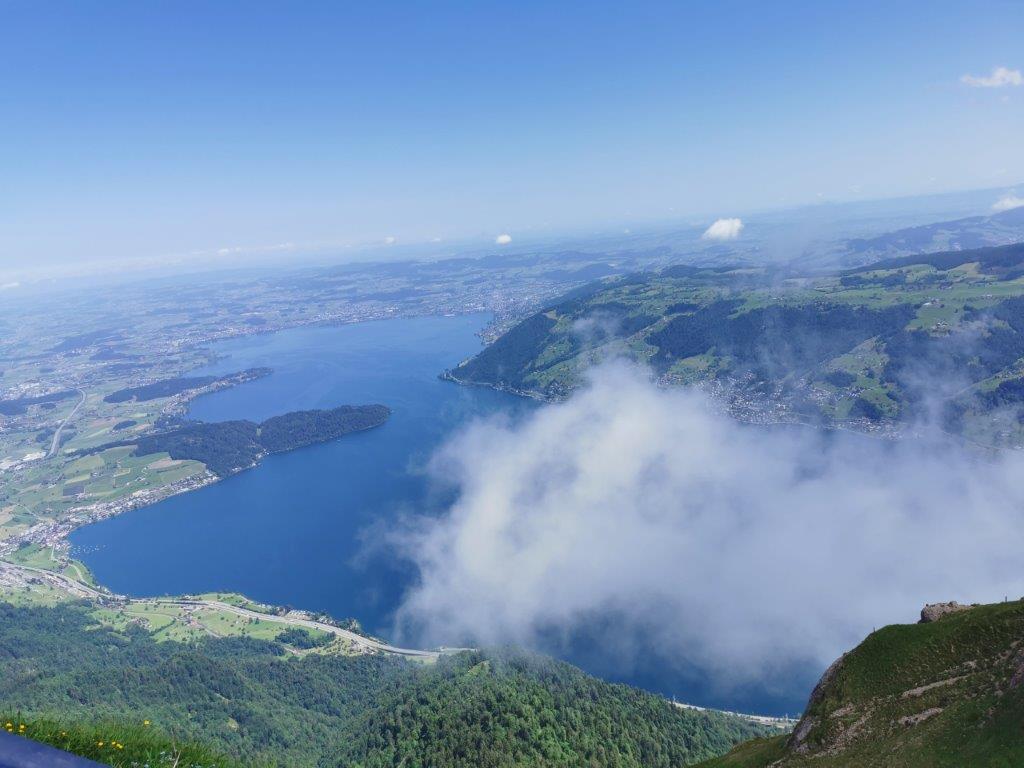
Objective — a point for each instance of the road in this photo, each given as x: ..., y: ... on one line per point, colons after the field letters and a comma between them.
x: 357, y: 639
x: 782, y: 723
x: 79, y: 589
x: 55, y: 444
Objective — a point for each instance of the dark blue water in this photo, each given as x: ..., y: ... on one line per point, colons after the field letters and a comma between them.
x: 299, y: 529
x: 294, y: 530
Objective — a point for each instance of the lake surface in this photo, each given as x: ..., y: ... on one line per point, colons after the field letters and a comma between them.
x: 298, y: 529
x: 293, y: 531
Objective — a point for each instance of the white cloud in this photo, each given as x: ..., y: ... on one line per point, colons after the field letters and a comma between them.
x: 1000, y: 78
x: 236, y: 250
x: 1007, y: 202
x: 9, y: 286
x: 724, y: 229
x: 503, y: 239
x: 389, y: 240
x: 737, y: 548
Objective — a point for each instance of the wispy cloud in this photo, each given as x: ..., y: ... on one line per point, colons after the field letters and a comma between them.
x: 724, y: 229
x: 503, y: 239
x: 1007, y: 202
x: 1001, y: 77
x: 236, y: 250
x: 9, y: 286
x: 738, y: 549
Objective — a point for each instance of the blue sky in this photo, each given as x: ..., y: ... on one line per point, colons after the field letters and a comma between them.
x: 137, y: 130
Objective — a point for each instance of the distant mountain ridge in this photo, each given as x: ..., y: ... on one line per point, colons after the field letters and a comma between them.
x: 1001, y: 228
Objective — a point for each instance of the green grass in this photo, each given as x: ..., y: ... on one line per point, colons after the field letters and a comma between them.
x: 756, y: 753
x: 119, y: 744
x: 960, y: 669
x: 34, y: 556
x: 233, y: 598
x: 225, y: 623
x: 898, y: 657
x: 34, y: 595
x: 168, y: 622
x: 78, y: 571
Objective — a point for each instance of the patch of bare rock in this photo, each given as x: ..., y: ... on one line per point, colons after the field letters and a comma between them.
x: 935, y: 611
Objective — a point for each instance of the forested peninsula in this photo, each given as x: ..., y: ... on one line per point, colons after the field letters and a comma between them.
x: 226, y: 447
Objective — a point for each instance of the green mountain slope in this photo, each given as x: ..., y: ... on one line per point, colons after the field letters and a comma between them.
x: 259, y: 702
x: 944, y: 694
x: 937, y: 336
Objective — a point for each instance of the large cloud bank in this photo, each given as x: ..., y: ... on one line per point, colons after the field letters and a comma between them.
x: 735, y: 548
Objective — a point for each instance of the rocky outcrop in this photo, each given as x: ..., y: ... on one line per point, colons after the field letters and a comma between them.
x: 935, y: 611
x: 1017, y: 679
x: 920, y: 717
x: 798, y: 741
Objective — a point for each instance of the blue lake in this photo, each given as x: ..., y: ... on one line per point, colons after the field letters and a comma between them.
x: 298, y: 529
x: 292, y: 530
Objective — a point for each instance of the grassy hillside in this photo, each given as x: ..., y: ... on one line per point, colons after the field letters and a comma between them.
x: 122, y: 744
x: 258, y: 701
x: 944, y: 694
x: 937, y: 337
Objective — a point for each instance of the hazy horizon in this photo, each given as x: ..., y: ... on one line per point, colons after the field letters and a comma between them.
x: 911, y: 209
x: 267, y: 134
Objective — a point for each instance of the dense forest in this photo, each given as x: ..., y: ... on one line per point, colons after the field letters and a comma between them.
x: 179, y: 384
x: 226, y: 447
x: 775, y: 339
x: 509, y: 358
x: 300, y: 428
x: 163, y: 388
x: 252, y: 699
x: 85, y: 340
x: 18, y: 406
